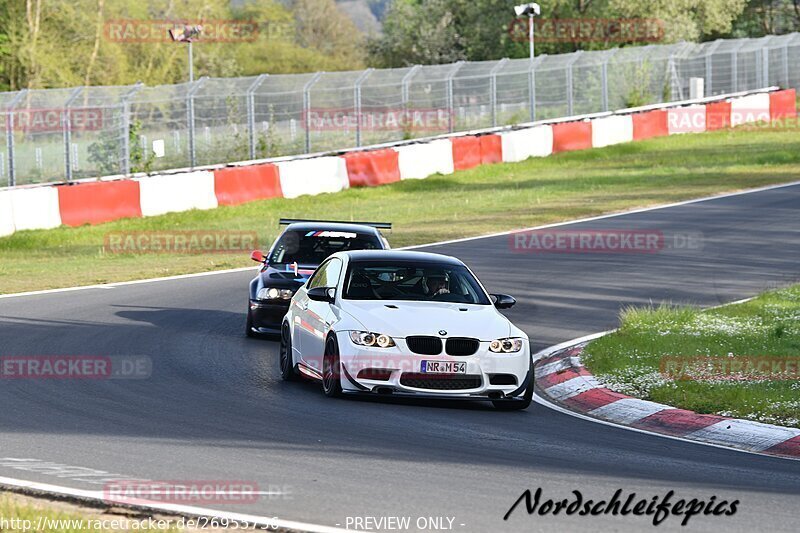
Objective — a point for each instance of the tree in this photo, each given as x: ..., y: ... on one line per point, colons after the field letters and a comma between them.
x: 419, y: 32
x: 684, y: 20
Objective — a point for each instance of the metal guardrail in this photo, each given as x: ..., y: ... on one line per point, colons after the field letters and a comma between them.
x: 84, y: 132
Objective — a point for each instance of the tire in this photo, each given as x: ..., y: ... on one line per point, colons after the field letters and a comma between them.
x: 517, y: 405
x: 285, y: 361
x: 331, y: 369
x: 248, y: 325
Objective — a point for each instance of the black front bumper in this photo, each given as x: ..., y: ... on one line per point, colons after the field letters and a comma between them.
x: 267, y: 316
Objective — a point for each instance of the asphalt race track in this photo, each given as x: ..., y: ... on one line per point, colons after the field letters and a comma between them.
x: 216, y: 409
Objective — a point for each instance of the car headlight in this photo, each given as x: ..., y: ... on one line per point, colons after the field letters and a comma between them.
x: 366, y: 338
x: 274, y: 293
x: 505, y: 345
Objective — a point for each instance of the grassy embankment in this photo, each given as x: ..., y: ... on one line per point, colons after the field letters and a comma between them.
x: 740, y: 360
x: 474, y: 202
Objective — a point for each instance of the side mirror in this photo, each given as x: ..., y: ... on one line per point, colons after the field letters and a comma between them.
x: 322, y: 294
x: 258, y: 256
x: 503, y: 301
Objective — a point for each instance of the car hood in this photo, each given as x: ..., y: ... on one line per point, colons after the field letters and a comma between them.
x: 284, y: 275
x: 400, y: 318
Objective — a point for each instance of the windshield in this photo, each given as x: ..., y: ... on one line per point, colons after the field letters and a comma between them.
x: 438, y: 282
x: 313, y: 247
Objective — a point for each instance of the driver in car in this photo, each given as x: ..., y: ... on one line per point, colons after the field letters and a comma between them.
x: 436, y: 283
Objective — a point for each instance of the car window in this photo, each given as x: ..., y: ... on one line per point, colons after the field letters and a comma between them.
x: 439, y: 282
x: 313, y: 247
x: 326, y: 275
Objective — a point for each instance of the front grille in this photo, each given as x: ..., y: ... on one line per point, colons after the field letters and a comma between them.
x: 440, y: 381
x: 461, y: 346
x: 425, y: 345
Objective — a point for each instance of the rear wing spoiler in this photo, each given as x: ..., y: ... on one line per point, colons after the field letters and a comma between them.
x: 379, y: 225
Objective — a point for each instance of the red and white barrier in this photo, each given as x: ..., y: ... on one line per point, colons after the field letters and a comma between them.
x: 177, y: 192
x: 466, y: 152
x: 783, y: 104
x: 315, y: 175
x: 98, y: 201
x: 421, y: 160
x: 237, y: 185
x: 750, y: 108
x: 568, y: 136
x: 519, y: 145
x: 689, y: 119
x: 650, y: 124
x: 373, y: 167
x: 102, y: 201
x: 6, y: 214
x: 718, y: 115
x: 35, y: 208
x: 615, y: 129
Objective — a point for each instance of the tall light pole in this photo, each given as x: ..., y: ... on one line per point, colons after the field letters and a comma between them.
x: 186, y: 35
x: 532, y: 10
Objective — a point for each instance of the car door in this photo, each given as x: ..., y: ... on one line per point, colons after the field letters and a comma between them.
x: 319, y: 315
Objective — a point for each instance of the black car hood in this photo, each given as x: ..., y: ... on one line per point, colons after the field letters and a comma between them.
x: 284, y: 275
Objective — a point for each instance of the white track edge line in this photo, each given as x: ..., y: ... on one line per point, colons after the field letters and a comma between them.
x: 168, y: 507
x: 415, y: 246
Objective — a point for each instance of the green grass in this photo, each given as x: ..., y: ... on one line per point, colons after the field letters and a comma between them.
x: 26, y: 514
x: 479, y: 201
x: 663, y: 354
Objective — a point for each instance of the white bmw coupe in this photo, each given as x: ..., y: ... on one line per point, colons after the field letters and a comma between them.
x: 405, y: 324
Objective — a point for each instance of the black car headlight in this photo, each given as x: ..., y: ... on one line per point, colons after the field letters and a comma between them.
x: 274, y: 293
x: 366, y: 338
x: 509, y: 345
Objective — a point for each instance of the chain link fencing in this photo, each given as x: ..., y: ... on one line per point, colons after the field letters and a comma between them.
x: 85, y: 132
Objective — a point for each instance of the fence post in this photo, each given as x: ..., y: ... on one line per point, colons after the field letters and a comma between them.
x: 251, y: 113
x: 570, y: 104
x: 764, y: 67
x: 307, y: 107
x: 66, y: 127
x: 195, y: 86
x: 450, y: 103
x: 493, y: 89
x: 532, y: 85
x: 406, y: 81
x: 357, y: 102
x: 126, y: 128
x: 786, y: 66
x: 709, y: 70
x: 12, y: 175
x: 606, y: 59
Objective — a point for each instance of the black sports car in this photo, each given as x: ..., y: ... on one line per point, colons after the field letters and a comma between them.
x: 297, y: 252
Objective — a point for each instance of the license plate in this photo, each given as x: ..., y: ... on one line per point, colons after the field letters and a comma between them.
x: 443, y: 367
